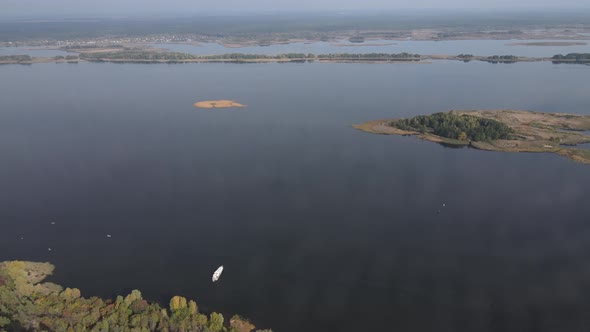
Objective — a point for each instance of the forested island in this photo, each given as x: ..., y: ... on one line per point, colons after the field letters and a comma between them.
x: 147, y: 55
x: 496, y: 130
x: 28, y: 304
x: 152, y: 56
x: 15, y: 58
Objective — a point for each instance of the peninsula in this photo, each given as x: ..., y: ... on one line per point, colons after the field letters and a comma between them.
x: 496, y: 130
x: 28, y: 304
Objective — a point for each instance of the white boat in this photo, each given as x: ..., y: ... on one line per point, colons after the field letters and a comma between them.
x: 217, y: 273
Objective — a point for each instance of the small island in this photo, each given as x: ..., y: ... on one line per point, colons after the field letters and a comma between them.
x: 217, y: 104
x: 496, y: 130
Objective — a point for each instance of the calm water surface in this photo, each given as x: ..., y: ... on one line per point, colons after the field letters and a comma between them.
x: 35, y: 52
x: 320, y: 227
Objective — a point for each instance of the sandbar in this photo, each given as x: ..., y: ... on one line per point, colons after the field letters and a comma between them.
x: 217, y: 104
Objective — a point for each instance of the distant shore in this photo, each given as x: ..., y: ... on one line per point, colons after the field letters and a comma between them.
x: 368, y: 35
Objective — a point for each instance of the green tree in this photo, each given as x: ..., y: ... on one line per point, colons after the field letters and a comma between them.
x: 215, y: 322
x: 4, y: 321
x: 177, y: 302
x: 71, y: 293
x: 192, y: 306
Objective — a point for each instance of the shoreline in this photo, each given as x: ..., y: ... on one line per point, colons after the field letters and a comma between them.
x: 421, y: 59
x: 24, y: 287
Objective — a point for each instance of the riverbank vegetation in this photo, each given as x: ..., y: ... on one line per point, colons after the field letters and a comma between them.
x: 578, y: 57
x: 502, y: 58
x: 66, y: 58
x: 371, y: 56
x: 15, y: 58
x: 136, y: 55
x: 28, y: 304
x: 147, y: 55
x: 465, y: 57
x: 139, y: 55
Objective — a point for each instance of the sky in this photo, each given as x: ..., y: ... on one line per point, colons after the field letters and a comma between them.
x: 57, y: 8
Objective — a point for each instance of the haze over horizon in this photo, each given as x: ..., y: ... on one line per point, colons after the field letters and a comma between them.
x: 68, y: 8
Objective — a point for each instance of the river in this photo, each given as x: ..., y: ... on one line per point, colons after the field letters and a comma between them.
x: 320, y: 227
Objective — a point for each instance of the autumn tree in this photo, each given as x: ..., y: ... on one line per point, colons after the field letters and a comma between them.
x: 177, y: 302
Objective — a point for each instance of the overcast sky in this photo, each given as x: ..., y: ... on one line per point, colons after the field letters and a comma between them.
x: 24, y: 8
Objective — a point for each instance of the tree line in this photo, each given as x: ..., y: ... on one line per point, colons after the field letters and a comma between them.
x: 580, y: 57
x: 137, y: 55
x: 461, y: 127
x: 376, y: 56
x: 16, y: 58
x: 503, y: 57
x: 176, y: 56
x: 67, y: 57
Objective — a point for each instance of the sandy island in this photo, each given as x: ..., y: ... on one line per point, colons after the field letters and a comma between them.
x: 532, y: 132
x: 217, y: 104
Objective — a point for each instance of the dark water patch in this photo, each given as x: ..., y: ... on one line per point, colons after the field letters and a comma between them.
x: 453, y: 146
x: 584, y: 146
x: 583, y: 132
